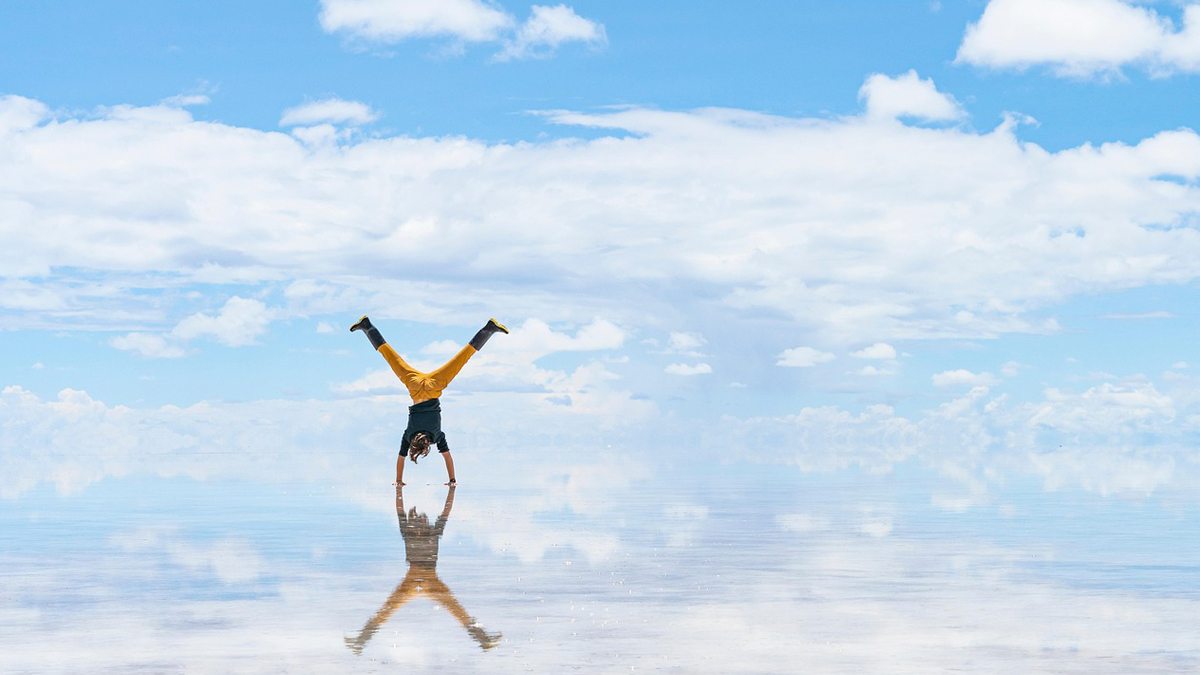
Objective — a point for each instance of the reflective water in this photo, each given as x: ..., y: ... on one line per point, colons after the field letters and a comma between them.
x: 594, y: 568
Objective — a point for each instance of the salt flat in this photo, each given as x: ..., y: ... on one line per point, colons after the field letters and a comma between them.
x: 729, y: 569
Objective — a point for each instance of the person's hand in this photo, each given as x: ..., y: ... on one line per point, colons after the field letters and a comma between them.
x: 399, y: 483
x: 451, y: 483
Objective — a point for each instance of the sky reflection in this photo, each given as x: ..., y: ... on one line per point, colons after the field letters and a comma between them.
x: 742, y: 571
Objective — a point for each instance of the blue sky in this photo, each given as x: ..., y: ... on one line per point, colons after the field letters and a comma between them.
x: 804, y: 221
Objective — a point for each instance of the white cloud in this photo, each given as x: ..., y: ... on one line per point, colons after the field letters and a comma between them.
x: 18, y: 113
x: 148, y: 345
x: 1126, y: 437
x: 239, y: 322
x: 962, y: 378
x: 803, y: 357
x: 546, y: 29
x: 879, y: 350
x: 1106, y: 408
x: 968, y: 232
x: 907, y: 96
x: 549, y: 27
x: 186, y: 100
x: 1081, y: 37
x: 688, y: 369
x: 391, y: 21
x: 331, y: 110
x: 685, y: 342
x: 1138, y: 316
x: 1116, y: 438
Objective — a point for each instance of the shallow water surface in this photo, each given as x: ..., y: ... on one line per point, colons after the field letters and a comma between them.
x: 745, y: 570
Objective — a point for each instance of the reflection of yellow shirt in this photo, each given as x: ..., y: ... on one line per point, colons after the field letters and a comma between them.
x: 425, y: 386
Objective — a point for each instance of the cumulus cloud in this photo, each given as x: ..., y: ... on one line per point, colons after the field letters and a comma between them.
x: 1116, y: 438
x: 539, y: 36
x: 18, y: 112
x: 880, y: 350
x: 148, y: 345
x: 1081, y: 37
x: 907, y: 96
x: 389, y: 21
x: 1127, y: 437
x: 239, y: 322
x: 332, y: 110
x: 1107, y: 408
x: 803, y: 357
x: 968, y: 231
x: 688, y: 369
x: 685, y: 342
x: 962, y: 378
x: 549, y: 27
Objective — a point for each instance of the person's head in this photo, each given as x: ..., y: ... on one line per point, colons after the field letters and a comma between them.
x: 418, y: 447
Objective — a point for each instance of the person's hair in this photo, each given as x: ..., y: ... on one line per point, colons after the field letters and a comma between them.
x: 418, y: 447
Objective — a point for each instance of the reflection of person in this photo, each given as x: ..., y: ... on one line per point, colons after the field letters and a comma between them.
x: 425, y: 414
x: 421, y: 550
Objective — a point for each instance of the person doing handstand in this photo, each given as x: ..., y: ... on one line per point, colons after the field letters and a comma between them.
x: 425, y: 414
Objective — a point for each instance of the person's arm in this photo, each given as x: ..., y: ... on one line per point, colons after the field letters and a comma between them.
x: 449, y: 504
x: 440, y: 525
x: 399, y: 471
x: 449, y: 469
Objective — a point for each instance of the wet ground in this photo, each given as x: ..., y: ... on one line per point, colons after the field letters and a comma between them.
x: 593, y: 568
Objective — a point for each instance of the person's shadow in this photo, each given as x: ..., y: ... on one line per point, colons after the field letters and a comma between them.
x: 421, y: 550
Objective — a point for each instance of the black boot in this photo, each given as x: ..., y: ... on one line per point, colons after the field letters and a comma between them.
x: 481, y: 338
x: 373, y: 334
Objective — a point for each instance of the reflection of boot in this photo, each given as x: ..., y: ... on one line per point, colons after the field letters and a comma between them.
x: 486, y: 640
x: 373, y: 334
x: 481, y: 338
x: 355, y: 646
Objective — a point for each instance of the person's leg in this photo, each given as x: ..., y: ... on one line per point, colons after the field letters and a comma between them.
x: 398, y: 365
x: 437, y: 591
x: 447, y: 372
x: 364, y: 324
x: 406, y: 590
x: 444, y: 374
